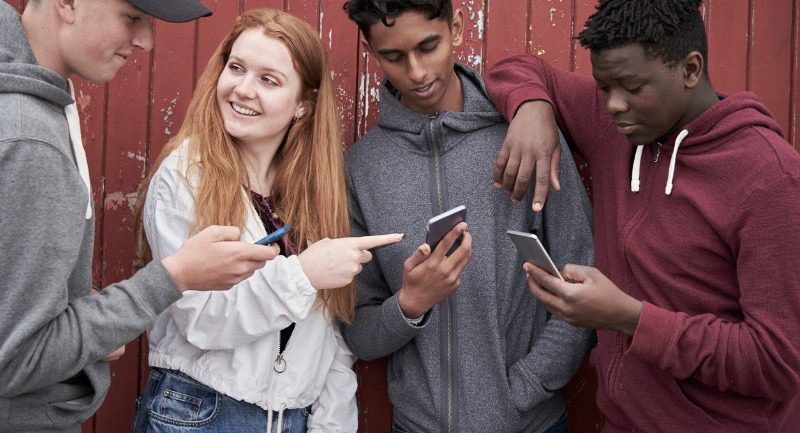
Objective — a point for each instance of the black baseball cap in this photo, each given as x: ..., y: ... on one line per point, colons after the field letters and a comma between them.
x: 174, y: 11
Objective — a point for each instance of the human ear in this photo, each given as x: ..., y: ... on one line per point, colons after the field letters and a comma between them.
x: 457, y: 28
x: 365, y: 45
x: 66, y: 10
x: 301, y: 111
x: 693, y: 69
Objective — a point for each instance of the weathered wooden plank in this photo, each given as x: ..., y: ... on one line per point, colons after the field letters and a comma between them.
x: 770, y: 56
x: 506, y: 30
x: 727, y: 23
x: 125, y: 143
x: 551, y: 31
x: 212, y: 29
x: 340, y: 37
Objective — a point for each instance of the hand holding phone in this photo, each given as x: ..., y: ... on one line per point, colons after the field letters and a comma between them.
x: 273, y: 237
x: 441, y: 224
x: 532, y: 250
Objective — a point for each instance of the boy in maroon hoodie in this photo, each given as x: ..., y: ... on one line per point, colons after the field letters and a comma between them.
x: 696, y: 295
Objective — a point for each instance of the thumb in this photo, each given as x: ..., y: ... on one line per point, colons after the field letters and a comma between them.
x: 419, y: 256
x: 575, y: 273
x: 221, y: 233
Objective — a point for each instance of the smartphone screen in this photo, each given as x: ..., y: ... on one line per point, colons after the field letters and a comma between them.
x: 532, y: 250
x: 441, y: 224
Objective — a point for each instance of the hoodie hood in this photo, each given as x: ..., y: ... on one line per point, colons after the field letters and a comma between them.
x: 19, y: 72
x: 711, y: 129
x: 409, y: 126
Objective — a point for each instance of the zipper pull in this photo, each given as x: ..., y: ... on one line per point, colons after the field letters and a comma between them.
x: 658, y: 152
x: 280, y: 364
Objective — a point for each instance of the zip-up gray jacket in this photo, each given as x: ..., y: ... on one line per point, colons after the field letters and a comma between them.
x: 53, y: 334
x: 490, y: 358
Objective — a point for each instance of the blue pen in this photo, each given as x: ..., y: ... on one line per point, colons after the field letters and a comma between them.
x: 274, y: 236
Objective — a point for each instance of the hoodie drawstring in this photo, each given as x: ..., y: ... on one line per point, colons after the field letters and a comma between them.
x: 280, y: 418
x: 637, y: 164
x: 74, y: 125
x: 678, y: 142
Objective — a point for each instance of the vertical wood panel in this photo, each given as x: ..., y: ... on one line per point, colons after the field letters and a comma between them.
x: 471, y: 50
x: 794, y: 133
x: 212, y: 29
x: 551, y: 24
x: 126, y: 138
x: 173, y: 80
x: 308, y: 10
x: 272, y: 4
x: 369, y: 81
x: 506, y: 31
x: 727, y: 23
x: 770, y: 60
x: 340, y: 36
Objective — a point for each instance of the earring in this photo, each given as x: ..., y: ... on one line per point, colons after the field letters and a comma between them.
x: 294, y: 119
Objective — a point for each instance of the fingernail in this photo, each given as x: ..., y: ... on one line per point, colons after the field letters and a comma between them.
x: 402, y: 235
x: 537, y: 207
x: 497, y: 185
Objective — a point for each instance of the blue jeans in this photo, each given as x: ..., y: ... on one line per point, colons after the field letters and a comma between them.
x: 559, y: 427
x: 173, y: 402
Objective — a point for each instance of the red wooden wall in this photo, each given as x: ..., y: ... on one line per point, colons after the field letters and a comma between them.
x: 754, y: 45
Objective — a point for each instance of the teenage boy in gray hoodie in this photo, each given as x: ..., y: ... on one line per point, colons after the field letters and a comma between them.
x: 470, y: 349
x: 55, y: 337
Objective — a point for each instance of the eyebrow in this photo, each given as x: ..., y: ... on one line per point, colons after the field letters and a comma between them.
x: 259, y: 68
x: 429, y: 39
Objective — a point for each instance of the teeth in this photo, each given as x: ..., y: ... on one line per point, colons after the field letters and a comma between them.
x: 242, y: 110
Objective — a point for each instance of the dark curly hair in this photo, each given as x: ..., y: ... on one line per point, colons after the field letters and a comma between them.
x: 667, y: 29
x: 365, y: 13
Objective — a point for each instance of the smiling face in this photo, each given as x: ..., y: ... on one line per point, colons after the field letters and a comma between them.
x: 258, y: 91
x: 647, y: 99
x: 416, y: 55
x: 98, y: 37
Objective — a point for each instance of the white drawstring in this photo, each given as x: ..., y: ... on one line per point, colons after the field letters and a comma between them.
x: 637, y: 163
x: 74, y: 125
x: 678, y: 142
x: 280, y: 418
x: 269, y: 418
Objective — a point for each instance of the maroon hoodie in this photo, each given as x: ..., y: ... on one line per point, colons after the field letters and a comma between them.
x: 715, y: 261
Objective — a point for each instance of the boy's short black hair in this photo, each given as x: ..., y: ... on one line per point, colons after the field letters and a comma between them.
x: 667, y: 29
x: 365, y: 13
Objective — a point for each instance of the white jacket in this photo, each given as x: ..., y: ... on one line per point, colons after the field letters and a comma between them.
x: 228, y: 339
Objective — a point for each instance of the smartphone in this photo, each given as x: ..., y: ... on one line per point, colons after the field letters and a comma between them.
x: 441, y: 224
x: 274, y: 236
x: 532, y: 250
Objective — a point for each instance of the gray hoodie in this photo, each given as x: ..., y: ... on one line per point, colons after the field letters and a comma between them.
x: 490, y: 358
x: 53, y: 335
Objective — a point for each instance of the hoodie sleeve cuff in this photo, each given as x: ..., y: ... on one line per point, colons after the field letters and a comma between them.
x: 397, y: 322
x: 521, y: 95
x: 653, y: 334
x: 154, y: 287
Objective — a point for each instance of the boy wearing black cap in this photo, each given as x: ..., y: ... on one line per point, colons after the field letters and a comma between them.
x: 55, y: 338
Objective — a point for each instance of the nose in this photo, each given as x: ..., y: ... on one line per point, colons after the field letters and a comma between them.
x: 416, y: 70
x: 143, y: 35
x: 616, y: 103
x: 245, y: 87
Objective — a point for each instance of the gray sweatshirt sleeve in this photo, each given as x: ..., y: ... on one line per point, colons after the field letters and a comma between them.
x: 50, y: 326
x: 379, y: 327
x: 560, y: 350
